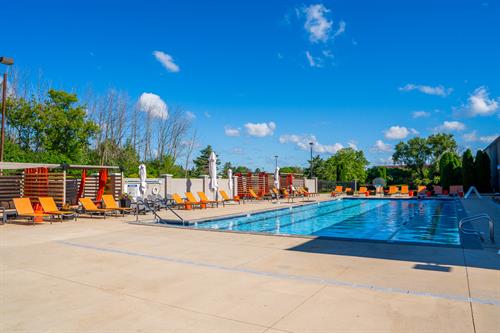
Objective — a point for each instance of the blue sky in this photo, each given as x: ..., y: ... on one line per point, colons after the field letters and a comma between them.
x: 275, y: 75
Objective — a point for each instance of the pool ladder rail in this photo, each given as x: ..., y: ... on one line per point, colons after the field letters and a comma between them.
x: 478, y: 217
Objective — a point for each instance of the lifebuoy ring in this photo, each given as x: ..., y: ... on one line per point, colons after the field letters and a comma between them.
x: 155, y: 190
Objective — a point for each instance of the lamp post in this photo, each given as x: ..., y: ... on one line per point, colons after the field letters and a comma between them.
x: 311, y: 166
x: 5, y: 61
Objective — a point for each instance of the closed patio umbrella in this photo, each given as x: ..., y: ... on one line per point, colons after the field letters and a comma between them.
x: 230, y: 181
x: 212, y: 172
x: 142, y: 176
x: 277, y: 178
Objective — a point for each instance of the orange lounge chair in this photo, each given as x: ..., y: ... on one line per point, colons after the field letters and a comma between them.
x: 438, y: 190
x: 337, y: 191
x: 404, y: 190
x: 179, y: 202
x: 456, y: 190
x: 392, y: 190
x: 348, y: 190
x: 421, y: 189
x: 363, y: 190
x: 226, y: 198
x: 252, y: 195
x: 191, y: 200
x: 49, y: 207
x: 110, y: 203
x: 204, y: 199
x: 25, y: 210
x: 90, y: 208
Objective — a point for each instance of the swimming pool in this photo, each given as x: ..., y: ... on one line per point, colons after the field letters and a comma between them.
x: 407, y: 221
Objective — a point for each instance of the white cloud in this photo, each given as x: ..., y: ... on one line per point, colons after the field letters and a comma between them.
x: 380, y: 146
x: 386, y: 161
x: 153, y: 104
x: 229, y: 131
x: 396, y: 132
x: 352, y: 144
x: 260, y: 129
x: 313, y: 62
x: 340, y: 30
x: 472, y: 137
x: 438, y: 90
x: 451, y: 126
x: 190, y: 115
x: 421, y: 114
x: 480, y: 104
x: 167, y: 61
x: 303, y: 143
x: 317, y: 24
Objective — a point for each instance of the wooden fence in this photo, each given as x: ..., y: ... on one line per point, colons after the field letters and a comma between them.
x: 10, y: 187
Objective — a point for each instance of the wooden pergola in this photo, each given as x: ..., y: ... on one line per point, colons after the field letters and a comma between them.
x: 43, y: 179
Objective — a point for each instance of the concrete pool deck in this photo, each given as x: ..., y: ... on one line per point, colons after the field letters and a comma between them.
x: 98, y: 275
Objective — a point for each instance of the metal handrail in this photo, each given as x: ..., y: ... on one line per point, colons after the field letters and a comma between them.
x: 153, y: 209
x: 468, y: 231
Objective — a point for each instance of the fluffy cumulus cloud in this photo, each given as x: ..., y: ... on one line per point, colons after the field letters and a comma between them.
x: 303, y: 142
x: 480, y: 103
x: 230, y: 131
x: 473, y: 137
x: 153, y: 104
x: 450, y: 126
x: 396, y: 132
x: 380, y: 146
x: 167, y: 61
x: 429, y: 90
x: 260, y: 129
x: 317, y: 24
x: 420, y: 114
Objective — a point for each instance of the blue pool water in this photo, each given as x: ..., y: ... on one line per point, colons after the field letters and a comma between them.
x: 414, y: 221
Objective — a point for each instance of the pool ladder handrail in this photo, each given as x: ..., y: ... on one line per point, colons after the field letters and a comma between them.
x: 478, y: 217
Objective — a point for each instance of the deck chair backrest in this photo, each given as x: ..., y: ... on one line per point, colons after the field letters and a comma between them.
x: 88, y: 204
x: 177, y: 198
x: 203, y: 196
x: 23, y: 206
x: 348, y: 189
x: 190, y: 197
x: 363, y: 189
x: 224, y: 195
x: 421, y: 188
x: 252, y: 193
x: 404, y: 188
x: 48, y: 204
x: 275, y: 191
x: 455, y: 189
x: 109, y: 201
x: 393, y: 189
x: 338, y: 189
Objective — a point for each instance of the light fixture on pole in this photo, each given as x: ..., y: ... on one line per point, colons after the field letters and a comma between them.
x: 311, y: 171
x: 8, y: 62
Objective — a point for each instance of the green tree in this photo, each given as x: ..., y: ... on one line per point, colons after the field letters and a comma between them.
x: 291, y: 169
x: 483, y: 171
x: 440, y: 143
x: 317, y: 167
x: 55, y: 130
x: 201, y: 162
x: 346, y: 165
x: 468, y: 170
x: 413, y: 154
x: 376, y: 172
x: 450, y: 169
